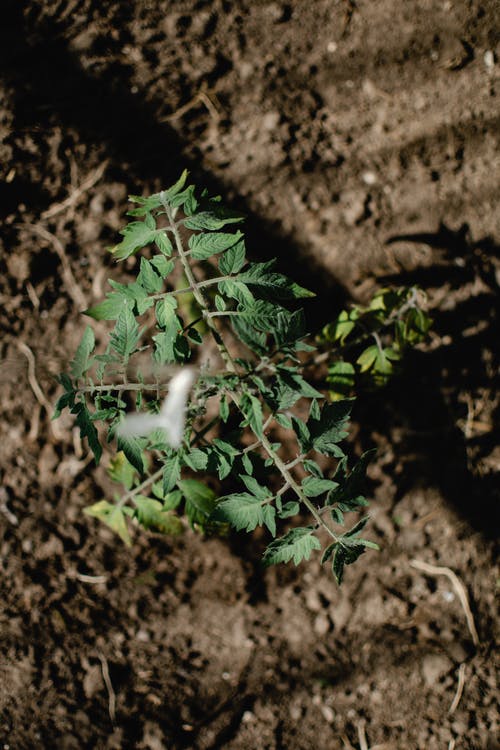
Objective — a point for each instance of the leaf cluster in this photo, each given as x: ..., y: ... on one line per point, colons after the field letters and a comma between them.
x: 366, y: 344
x: 235, y: 469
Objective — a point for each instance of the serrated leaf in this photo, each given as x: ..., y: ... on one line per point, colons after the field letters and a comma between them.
x: 82, y: 360
x: 200, y: 501
x: 341, y: 375
x: 255, y: 340
x: 162, y: 265
x: 205, y: 245
x: 172, y: 500
x: 165, y: 313
x: 121, y: 470
x: 242, y: 510
x: 164, y: 245
x: 214, y: 219
x: 252, y: 409
x: 112, y: 516
x: 327, y: 431
x: 136, y: 235
x: 148, y: 278
x: 233, y: 259
x: 167, y: 195
x: 289, y: 509
x: 315, y: 486
x: 165, y: 345
x: 152, y: 515
x: 312, y: 467
x: 125, y: 336
x: 252, y: 485
x: 271, y: 284
x: 110, y: 308
x: 349, y: 493
x: 87, y: 429
x: 303, y: 434
x: 343, y: 556
x: 296, y: 545
x: 196, y: 459
x: 171, y: 473
x: 133, y: 450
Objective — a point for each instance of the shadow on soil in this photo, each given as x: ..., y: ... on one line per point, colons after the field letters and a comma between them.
x: 432, y: 402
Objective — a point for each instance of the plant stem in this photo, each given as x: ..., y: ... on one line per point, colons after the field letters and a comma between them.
x: 137, y: 490
x: 198, y: 294
x: 231, y: 366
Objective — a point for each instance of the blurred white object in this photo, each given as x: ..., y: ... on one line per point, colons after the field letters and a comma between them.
x: 172, y: 416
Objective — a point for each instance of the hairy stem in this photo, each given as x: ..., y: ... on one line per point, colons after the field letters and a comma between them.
x: 200, y: 299
x: 137, y: 490
x: 198, y: 294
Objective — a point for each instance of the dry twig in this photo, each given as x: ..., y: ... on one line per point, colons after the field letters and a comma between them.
x: 435, y: 570
x: 39, y: 394
x: 74, y: 290
x: 109, y: 687
x: 86, y: 185
x: 363, y: 744
x: 460, y: 689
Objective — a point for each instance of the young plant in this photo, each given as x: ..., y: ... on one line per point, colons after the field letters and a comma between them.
x: 265, y: 442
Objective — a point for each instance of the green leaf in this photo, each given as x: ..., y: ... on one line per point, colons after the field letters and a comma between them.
x: 164, y: 245
x: 162, y: 265
x: 196, y: 459
x: 165, y: 313
x: 312, y: 467
x: 121, y: 470
x: 224, y: 408
x: 272, y: 284
x: 216, y: 218
x: 87, y: 429
x: 148, y: 278
x: 112, y: 516
x: 136, y: 235
x: 233, y: 259
x: 203, y: 246
x: 341, y: 376
x: 110, y: 308
x: 242, y: 510
x: 252, y: 409
x: 289, y: 509
x: 82, y: 361
x: 349, y: 493
x: 296, y: 545
x: 165, y: 345
x: 315, y: 486
x: 252, y: 485
x: 125, y: 336
x: 345, y: 556
x: 167, y: 195
x: 152, y: 515
x: 329, y: 429
x: 303, y: 434
x: 171, y: 473
x: 340, y: 329
x: 200, y: 501
x: 133, y: 450
x: 172, y: 500
x: 255, y: 340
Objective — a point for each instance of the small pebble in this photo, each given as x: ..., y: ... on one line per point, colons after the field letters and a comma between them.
x: 435, y: 666
x: 328, y: 714
x: 369, y: 178
x: 331, y: 47
x: 489, y: 59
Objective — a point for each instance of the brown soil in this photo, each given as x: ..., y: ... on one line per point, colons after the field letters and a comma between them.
x: 361, y: 139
